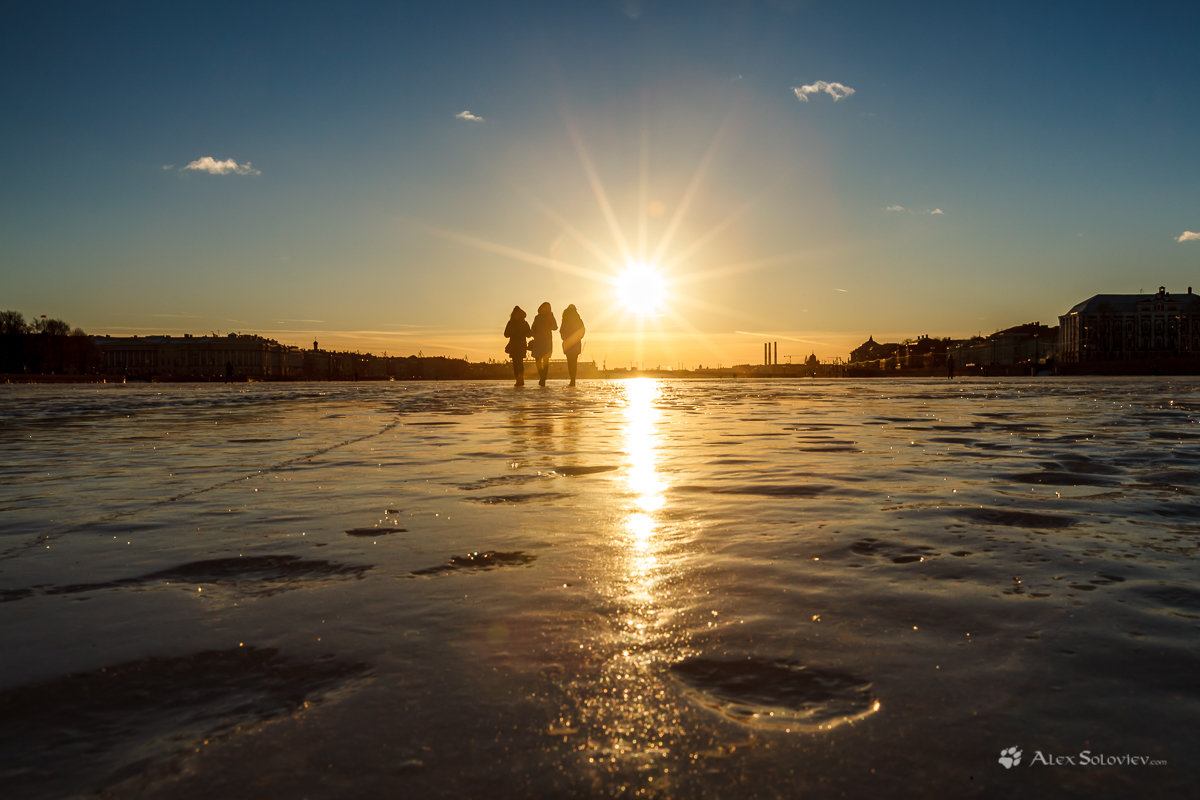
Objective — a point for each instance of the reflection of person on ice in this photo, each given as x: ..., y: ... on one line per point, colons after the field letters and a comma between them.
x: 572, y: 339
x: 543, y: 328
x: 517, y: 331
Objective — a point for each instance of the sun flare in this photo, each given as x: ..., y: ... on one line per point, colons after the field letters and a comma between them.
x: 641, y: 290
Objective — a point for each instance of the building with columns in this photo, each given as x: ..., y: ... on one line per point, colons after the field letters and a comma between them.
x: 239, y: 356
x: 1128, y: 332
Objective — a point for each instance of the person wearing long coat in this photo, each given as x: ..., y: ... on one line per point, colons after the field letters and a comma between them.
x: 517, y: 331
x: 572, y: 332
x: 543, y: 328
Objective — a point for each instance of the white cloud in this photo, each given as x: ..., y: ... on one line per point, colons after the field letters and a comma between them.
x: 1188, y: 236
x: 468, y: 116
x: 227, y: 167
x: 835, y: 90
x: 897, y: 208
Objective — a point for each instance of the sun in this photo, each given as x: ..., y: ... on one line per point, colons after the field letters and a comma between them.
x: 641, y: 289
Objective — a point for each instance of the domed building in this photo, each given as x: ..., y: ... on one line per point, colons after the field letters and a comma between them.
x: 871, y: 350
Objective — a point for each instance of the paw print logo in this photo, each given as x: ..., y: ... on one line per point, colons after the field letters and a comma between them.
x: 1010, y: 757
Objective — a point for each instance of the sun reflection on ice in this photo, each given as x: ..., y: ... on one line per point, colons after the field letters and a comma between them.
x: 630, y: 708
x: 641, y: 433
x: 644, y: 480
x: 635, y: 716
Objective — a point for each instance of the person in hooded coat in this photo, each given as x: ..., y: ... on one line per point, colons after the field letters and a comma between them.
x: 517, y: 331
x: 572, y: 331
x: 544, y: 326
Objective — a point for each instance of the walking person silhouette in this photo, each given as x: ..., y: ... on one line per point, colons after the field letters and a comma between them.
x: 572, y: 332
x: 543, y: 328
x: 517, y: 331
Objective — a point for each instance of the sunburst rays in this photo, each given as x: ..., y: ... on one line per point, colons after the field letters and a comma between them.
x: 679, y: 259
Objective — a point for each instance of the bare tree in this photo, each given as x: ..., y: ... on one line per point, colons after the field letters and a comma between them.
x: 12, y: 323
x: 54, y: 327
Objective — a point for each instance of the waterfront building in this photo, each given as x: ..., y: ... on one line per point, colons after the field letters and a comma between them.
x: 873, y: 352
x: 1131, y: 332
x: 240, y: 356
x: 913, y: 355
x: 1020, y: 349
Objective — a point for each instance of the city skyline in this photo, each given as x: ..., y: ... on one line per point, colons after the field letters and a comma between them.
x: 394, y: 179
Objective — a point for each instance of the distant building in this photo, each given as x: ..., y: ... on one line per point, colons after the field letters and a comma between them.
x: 873, y: 351
x: 243, y: 357
x: 1020, y: 349
x: 238, y: 356
x: 922, y: 353
x: 1131, y: 332
x: 925, y: 353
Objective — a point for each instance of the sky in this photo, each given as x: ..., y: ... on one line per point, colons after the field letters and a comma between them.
x: 698, y: 178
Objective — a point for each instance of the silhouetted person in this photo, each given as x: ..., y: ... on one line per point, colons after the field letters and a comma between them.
x: 229, y: 372
x: 949, y: 366
x: 572, y: 339
x: 544, y: 326
x: 517, y: 331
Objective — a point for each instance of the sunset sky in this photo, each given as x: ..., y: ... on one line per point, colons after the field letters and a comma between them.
x: 396, y: 176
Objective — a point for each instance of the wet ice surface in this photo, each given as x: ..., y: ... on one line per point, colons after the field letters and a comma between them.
x: 750, y: 589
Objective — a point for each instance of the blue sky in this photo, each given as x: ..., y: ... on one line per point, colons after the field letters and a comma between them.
x: 805, y: 172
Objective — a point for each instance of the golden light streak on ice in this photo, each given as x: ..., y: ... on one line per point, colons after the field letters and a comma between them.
x: 640, y: 442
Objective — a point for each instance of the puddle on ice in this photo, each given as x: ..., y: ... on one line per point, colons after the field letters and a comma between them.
x: 777, y: 694
x: 374, y: 531
x: 474, y: 562
x: 262, y: 575
x: 122, y: 721
x: 761, y: 489
x: 574, y: 472
x: 1061, y: 478
x: 899, y: 553
x: 1015, y: 519
x: 504, y: 499
x: 501, y: 480
x: 1180, y: 599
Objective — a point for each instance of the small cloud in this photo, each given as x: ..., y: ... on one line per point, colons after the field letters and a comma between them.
x: 1188, y: 236
x: 843, y: 291
x: 937, y: 212
x: 468, y: 116
x: 835, y: 90
x: 895, y: 208
x: 227, y: 167
x: 168, y: 167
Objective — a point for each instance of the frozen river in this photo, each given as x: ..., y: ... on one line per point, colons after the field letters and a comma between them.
x: 629, y: 588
